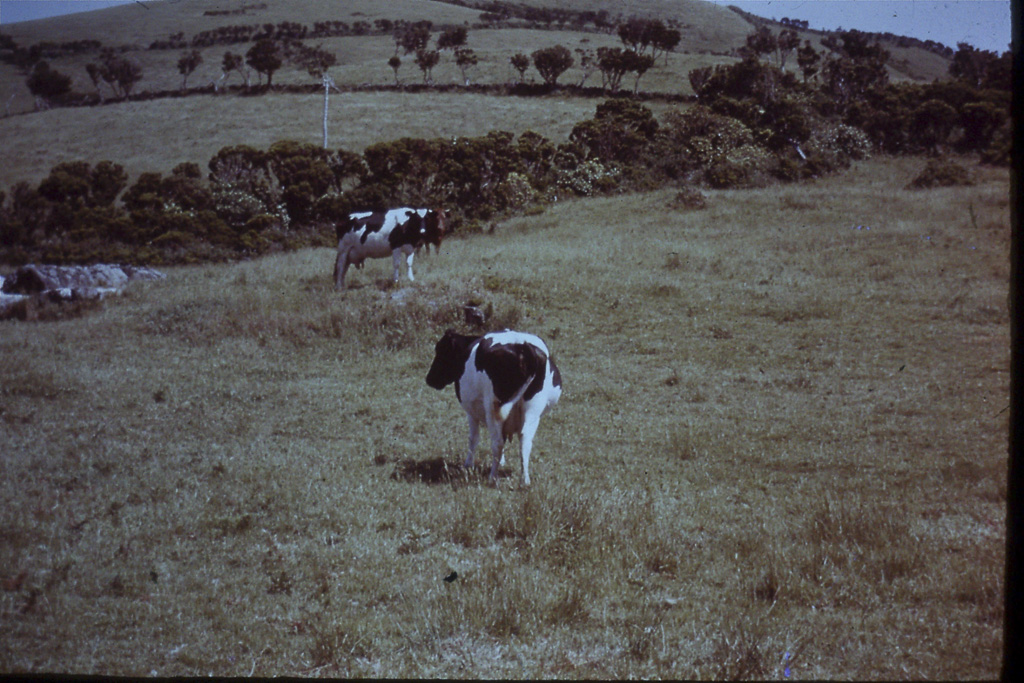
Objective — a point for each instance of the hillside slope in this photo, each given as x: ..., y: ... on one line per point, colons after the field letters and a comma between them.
x: 156, y: 135
x: 140, y: 24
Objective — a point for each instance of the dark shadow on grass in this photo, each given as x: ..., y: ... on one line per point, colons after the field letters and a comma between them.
x: 441, y: 471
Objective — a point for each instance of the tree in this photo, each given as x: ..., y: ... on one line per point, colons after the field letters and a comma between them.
x: 664, y: 41
x: 265, y: 57
x: 634, y: 34
x: 807, y: 58
x: 588, y: 64
x: 552, y: 62
x: 426, y: 60
x: 187, y: 64
x: 971, y: 65
x: 94, y: 76
x: 465, y: 59
x: 932, y: 122
x: 520, y: 63
x: 980, y: 121
x: 76, y: 183
x: 452, y: 38
x: 619, y: 132
x: 412, y: 37
x: 395, y: 63
x: 855, y: 67
x: 640, y: 34
x: 47, y: 84
x: 761, y: 42
x: 639, y: 64
x: 235, y: 62
x: 786, y: 42
x: 118, y: 72
x: 699, y: 79
x: 614, y: 63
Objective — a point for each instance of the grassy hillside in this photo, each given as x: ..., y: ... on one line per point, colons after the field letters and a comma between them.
x: 140, y: 24
x: 782, y: 445
x: 157, y: 135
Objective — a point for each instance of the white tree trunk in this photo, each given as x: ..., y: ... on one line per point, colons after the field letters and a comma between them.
x: 328, y: 84
x: 327, y: 91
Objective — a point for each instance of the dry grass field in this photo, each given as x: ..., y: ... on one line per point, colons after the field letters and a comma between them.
x: 781, y: 453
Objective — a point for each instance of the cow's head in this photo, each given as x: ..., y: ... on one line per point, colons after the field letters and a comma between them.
x: 435, y: 224
x: 450, y: 355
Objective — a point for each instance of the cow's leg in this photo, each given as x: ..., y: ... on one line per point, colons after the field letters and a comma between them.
x: 396, y: 260
x: 497, y: 449
x: 340, y: 268
x: 474, y: 436
x: 408, y: 263
x: 530, y: 424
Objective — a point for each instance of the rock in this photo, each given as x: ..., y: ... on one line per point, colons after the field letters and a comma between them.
x: 35, y: 279
x: 67, y: 283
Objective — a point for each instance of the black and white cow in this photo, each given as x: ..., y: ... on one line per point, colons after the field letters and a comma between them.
x: 505, y: 380
x: 378, y: 234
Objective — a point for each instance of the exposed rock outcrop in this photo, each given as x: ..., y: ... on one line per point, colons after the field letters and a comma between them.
x: 66, y: 283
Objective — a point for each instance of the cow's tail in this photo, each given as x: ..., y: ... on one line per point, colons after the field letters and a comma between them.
x: 510, y: 413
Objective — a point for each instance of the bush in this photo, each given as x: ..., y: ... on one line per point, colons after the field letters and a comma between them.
x: 725, y: 174
x: 689, y: 198
x: 515, y: 192
x: 588, y: 179
x: 236, y: 207
x: 843, y: 140
x: 620, y: 131
x: 940, y: 173
x: 999, y: 152
x: 48, y: 84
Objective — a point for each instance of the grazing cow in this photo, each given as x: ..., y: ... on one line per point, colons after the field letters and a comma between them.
x: 504, y: 379
x: 378, y: 234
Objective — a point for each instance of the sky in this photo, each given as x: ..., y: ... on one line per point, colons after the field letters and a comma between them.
x: 985, y: 24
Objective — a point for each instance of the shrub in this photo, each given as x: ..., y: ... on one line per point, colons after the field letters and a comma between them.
x: 940, y: 173
x: 588, y: 179
x: 931, y: 124
x: 689, y: 198
x: 48, y: 84
x: 246, y: 169
x: 515, y: 192
x: 77, y: 183
x: 980, y: 121
x: 999, y: 151
x: 619, y: 132
x: 725, y: 174
x: 237, y: 207
x: 703, y: 135
x: 173, y: 238
x: 846, y: 142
